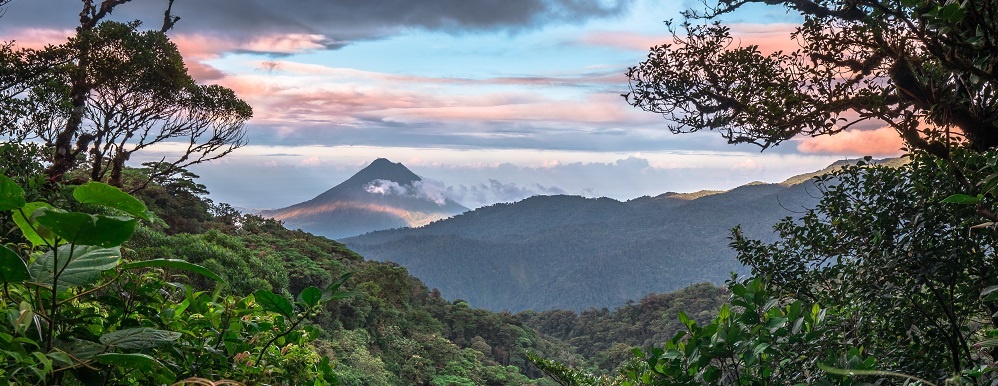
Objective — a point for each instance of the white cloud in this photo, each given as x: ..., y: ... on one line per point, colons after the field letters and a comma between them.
x: 427, y: 190
x: 494, y: 191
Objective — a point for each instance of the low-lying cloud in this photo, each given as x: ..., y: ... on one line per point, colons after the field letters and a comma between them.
x: 425, y: 190
x: 494, y: 191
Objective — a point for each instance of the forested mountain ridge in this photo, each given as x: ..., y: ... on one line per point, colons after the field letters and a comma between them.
x: 383, y: 195
x: 571, y: 252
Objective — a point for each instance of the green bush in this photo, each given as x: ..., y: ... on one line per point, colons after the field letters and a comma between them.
x: 77, y: 313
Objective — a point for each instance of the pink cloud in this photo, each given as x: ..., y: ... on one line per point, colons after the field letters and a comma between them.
x: 624, y: 40
x: 769, y: 38
x: 210, y: 46
x: 38, y: 38
x: 289, y: 93
x: 603, y: 76
x: 594, y: 108
x: 199, y: 49
x: 883, y: 141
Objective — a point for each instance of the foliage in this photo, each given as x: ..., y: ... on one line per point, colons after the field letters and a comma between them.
x: 606, y: 337
x: 76, y: 313
x: 924, y: 67
x: 110, y: 91
x: 902, y: 272
x: 757, y: 340
x: 568, y: 376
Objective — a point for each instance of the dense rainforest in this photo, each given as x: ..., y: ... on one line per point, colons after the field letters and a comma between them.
x: 386, y: 328
x: 119, y: 275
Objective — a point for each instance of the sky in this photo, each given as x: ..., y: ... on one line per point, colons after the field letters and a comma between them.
x: 487, y: 100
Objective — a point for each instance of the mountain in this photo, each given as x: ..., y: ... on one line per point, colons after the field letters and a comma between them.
x: 383, y: 195
x: 570, y: 252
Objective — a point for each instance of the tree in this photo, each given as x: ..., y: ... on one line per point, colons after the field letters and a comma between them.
x: 65, y: 153
x: 111, y: 91
x: 924, y: 67
x: 901, y: 273
x: 142, y: 96
x: 905, y: 273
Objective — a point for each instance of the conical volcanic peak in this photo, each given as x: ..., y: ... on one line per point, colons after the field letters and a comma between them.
x: 382, y: 169
x: 383, y: 195
x: 356, y: 187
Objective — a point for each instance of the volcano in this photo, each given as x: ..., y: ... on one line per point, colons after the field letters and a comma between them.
x: 383, y: 195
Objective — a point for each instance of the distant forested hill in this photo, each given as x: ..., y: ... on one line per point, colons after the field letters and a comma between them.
x: 570, y: 252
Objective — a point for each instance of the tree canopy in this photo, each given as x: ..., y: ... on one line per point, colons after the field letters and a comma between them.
x: 113, y: 90
x: 923, y: 67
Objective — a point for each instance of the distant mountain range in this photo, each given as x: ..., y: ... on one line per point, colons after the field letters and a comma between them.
x: 570, y: 252
x: 383, y: 195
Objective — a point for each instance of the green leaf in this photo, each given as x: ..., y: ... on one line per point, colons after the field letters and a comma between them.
x: 274, y: 303
x: 138, y: 338
x: 143, y: 363
x: 28, y: 224
x: 684, y: 319
x: 82, y: 228
x: 310, y: 296
x: 12, y: 268
x: 990, y: 293
x: 952, y: 12
x: 60, y: 358
x: 78, y: 266
x: 857, y: 372
x: 332, y: 291
x: 82, y: 349
x: 109, y: 196
x: 174, y: 264
x: 961, y: 198
x: 11, y: 195
x: 25, y: 316
x: 724, y: 313
x: 775, y: 323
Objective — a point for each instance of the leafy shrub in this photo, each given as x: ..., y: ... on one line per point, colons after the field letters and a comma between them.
x: 77, y: 313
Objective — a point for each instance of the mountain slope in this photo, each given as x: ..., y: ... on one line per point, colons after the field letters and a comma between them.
x: 383, y: 195
x: 570, y: 252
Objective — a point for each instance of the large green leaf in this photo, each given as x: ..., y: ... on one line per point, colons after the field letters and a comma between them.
x: 990, y: 293
x: 107, y: 195
x: 28, y: 225
x: 310, y: 296
x: 138, y: 338
x: 11, y: 195
x: 12, y: 268
x: 143, y: 363
x: 82, y: 228
x: 78, y: 266
x: 81, y: 349
x: 274, y: 302
x: 964, y: 199
x: 174, y: 264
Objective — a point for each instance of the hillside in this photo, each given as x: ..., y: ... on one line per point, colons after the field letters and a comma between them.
x: 394, y: 330
x: 383, y: 195
x: 569, y: 252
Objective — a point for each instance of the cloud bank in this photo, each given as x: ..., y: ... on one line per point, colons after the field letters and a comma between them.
x: 494, y: 191
x: 431, y: 191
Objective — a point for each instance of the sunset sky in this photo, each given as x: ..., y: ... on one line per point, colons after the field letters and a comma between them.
x: 488, y: 101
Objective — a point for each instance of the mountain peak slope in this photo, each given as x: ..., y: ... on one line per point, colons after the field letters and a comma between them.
x: 383, y: 195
